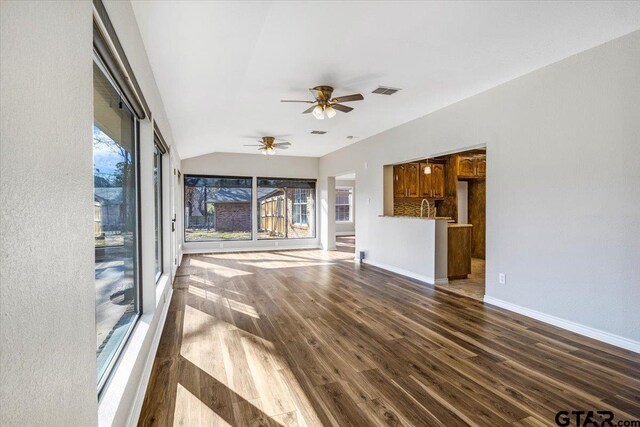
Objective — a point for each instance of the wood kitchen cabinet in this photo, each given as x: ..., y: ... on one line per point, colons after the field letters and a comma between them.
x: 406, y: 180
x: 481, y: 166
x: 437, y: 179
x: 432, y: 185
x: 472, y: 166
x: 398, y: 180
x: 412, y: 180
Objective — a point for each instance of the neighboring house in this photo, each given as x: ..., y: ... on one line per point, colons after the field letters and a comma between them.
x: 109, y: 202
x: 231, y: 209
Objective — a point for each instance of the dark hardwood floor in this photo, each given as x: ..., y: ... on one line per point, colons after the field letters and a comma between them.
x: 313, y: 338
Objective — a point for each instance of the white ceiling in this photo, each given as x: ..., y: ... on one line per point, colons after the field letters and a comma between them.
x: 222, y: 67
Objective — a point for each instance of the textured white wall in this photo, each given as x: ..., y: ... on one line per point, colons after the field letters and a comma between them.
x: 47, y: 308
x: 47, y: 294
x: 563, y: 200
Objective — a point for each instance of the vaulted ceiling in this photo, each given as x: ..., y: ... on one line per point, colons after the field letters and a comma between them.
x: 222, y: 67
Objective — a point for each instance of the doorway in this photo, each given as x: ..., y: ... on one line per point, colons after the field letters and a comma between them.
x: 465, y: 203
x: 345, y: 212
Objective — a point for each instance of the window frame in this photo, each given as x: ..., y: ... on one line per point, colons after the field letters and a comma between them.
x: 109, y: 369
x: 350, y: 204
x: 184, y: 205
x: 294, y: 203
x: 312, y: 225
x: 159, y: 206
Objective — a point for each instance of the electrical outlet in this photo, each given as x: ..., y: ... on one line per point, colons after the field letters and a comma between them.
x: 276, y: 243
x: 502, y: 278
x: 221, y: 245
x: 366, y: 165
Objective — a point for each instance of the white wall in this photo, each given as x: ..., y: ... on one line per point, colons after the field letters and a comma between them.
x: 347, y: 227
x: 563, y: 200
x: 47, y: 314
x: 47, y: 306
x: 252, y: 165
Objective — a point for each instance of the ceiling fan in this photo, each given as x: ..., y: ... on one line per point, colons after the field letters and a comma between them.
x: 325, y: 105
x: 268, y: 145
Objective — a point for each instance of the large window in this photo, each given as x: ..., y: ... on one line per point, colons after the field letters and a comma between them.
x: 286, y: 208
x: 115, y: 160
x: 157, y: 191
x: 217, y: 208
x: 344, y: 199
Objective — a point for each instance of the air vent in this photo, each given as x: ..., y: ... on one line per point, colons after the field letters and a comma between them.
x: 382, y: 90
x: 318, y: 132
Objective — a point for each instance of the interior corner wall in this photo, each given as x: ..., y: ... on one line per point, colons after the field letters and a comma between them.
x: 47, y: 301
x: 252, y: 165
x: 347, y: 227
x: 562, y: 199
x: 47, y: 297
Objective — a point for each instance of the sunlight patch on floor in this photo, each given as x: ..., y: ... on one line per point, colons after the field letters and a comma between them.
x: 218, y: 270
x: 243, y: 308
x: 191, y: 411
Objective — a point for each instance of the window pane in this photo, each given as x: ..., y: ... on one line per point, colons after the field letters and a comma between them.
x: 286, y: 208
x: 343, y: 204
x: 115, y: 221
x: 217, y: 208
x: 157, y: 185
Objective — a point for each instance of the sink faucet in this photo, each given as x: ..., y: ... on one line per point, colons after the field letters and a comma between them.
x: 428, y: 208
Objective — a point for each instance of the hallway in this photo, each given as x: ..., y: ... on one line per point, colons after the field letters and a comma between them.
x: 313, y: 338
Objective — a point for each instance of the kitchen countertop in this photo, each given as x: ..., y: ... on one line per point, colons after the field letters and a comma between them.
x: 440, y: 218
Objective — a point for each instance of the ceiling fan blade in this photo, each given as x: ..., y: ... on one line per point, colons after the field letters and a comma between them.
x: 341, y: 107
x: 293, y: 100
x: 253, y: 145
x: 281, y: 144
x: 348, y: 98
x: 281, y: 147
x: 308, y: 110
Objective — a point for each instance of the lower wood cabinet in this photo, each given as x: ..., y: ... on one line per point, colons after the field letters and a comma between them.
x: 459, y: 251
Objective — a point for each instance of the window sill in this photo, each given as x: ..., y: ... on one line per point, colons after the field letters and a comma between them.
x: 123, y: 394
x: 344, y: 222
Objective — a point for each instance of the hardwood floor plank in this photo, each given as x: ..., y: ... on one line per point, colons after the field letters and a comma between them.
x: 312, y: 338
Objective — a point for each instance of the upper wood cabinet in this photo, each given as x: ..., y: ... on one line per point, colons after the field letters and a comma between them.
x: 412, y: 180
x: 481, y: 166
x: 409, y: 180
x: 398, y: 180
x: 432, y: 185
x: 472, y: 166
x: 437, y: 180
x: 425, y: 182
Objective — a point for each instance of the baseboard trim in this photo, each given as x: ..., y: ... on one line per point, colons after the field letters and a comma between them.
x: 134, y: 416
x: 249, y: 249
x: 400, y: 271
x: 442, y: 281
x: 345, y: 233
x: 578, y: 328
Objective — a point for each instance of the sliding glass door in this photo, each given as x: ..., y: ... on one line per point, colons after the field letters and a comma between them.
x: 115, y: 163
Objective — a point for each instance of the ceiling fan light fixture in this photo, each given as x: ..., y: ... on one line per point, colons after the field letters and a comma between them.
x: 329, y: 111
x: 318, y: 112
x: 427, y: 169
